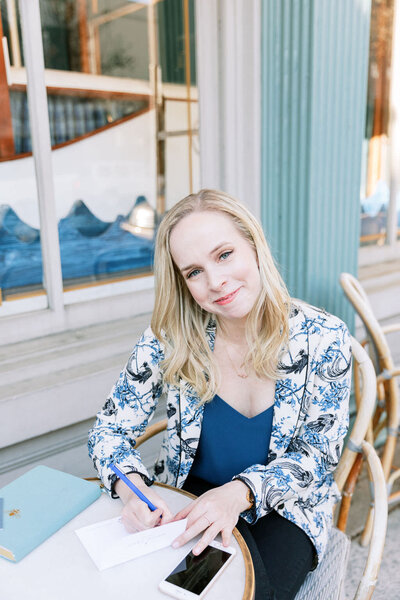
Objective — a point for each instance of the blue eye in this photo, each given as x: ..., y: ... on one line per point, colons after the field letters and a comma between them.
x: 192, y: 273
x: 225, y: 255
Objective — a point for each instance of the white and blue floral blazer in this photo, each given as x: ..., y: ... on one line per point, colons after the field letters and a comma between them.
x: 309, y: 424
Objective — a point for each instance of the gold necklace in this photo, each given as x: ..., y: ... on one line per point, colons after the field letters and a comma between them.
x: 241, y: 375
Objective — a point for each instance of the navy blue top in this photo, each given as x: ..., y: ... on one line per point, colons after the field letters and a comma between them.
x: 230, y: 442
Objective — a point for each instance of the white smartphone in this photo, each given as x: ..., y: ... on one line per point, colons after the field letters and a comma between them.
x: 193, y: 577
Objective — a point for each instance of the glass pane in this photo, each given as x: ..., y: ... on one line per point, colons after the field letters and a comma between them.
x: 21, y: 276
x: 71, y: 116
x: 181, y: 115
x: 61, y: 41
x: 119, y: 157
x: 171, y: 43
x: 124, y: 49
x: 179, y: 143
x: 375, y: 156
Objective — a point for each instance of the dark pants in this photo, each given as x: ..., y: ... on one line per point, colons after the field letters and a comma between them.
x: 282, y: 553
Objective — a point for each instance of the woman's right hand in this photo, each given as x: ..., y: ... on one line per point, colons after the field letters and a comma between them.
x: 136, y: 515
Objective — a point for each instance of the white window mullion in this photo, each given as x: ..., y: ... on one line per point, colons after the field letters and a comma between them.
x: 207, y: 62
x: 41, y: 145
x: 228, y: 34
x: 248, y: 43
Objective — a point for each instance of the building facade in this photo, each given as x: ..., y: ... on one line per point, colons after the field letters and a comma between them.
x: 112, y: 106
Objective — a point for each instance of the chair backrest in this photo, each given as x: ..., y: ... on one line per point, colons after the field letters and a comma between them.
x: 358, y: 298
x: 366, y: 380
x: 350, y: 465
x: 369, y: 577
x: 388, y: 394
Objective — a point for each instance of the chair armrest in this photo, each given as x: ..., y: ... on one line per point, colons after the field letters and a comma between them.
x: 151, y: 431
x: 388, y: 374
x: 364, y: 413
x: 368, y: 580
x: 391, y: 328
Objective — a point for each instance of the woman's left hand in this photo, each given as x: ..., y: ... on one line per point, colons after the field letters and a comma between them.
x: 216, y: 511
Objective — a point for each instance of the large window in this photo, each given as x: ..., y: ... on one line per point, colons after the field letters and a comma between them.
x: 380, y: 210
x: 21, y: 270
x: 123, y: 117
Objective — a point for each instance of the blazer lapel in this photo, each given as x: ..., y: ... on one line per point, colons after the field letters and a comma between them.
x: 191, y: 421
x: 290, y: 387
x: 289, y: 394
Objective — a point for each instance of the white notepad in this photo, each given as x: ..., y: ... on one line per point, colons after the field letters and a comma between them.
x: 109, y: 544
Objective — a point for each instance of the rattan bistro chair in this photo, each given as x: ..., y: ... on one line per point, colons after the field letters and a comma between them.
x: 327, y: 582
x: 386, y: 416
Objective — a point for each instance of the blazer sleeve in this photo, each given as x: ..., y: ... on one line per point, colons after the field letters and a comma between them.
x: 126, y: 413
x: 308, y: 463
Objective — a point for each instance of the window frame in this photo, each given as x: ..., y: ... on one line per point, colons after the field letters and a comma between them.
x: 63, y: 311
x: 223, y: 56
x: 371, y: 255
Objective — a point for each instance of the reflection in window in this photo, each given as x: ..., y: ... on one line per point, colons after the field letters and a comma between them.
x: 172, y: 41
x: 375, y: 170
x: 110, y: 37
x: 70, y: 117
x: 20, y: 249
x: 122, y: 153
x: 60, y: 34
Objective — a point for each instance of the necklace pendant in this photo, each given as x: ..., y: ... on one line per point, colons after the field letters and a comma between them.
x: 241, y: 375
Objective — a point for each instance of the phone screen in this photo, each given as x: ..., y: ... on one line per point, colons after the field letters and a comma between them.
x: 194, y: 573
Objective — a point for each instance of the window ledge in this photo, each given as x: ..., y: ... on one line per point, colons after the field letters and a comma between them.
x: 84, y: 307
x: 374, y: 255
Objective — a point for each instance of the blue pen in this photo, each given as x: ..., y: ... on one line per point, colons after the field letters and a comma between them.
x: 133, y: 487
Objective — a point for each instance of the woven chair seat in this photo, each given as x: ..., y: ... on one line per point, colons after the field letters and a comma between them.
x: 327, y: 581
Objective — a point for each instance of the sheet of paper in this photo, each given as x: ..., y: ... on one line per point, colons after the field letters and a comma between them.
x: 109, y: 544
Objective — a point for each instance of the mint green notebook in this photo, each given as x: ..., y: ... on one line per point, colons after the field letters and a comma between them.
x: 39, y: 503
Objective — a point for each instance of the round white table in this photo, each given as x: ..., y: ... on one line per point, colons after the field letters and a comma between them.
x: 61, y: 569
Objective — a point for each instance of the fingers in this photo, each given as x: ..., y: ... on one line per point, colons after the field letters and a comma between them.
x: 156, y: 516
x: 197, y: 527
x: 212, y: 530
x: 208, y: 536
x: 183, y: 513
x: 137, y: 516
x: 226, y: 535
x: 166, y: 516
x: 128, y: 526
x: 131, y: 522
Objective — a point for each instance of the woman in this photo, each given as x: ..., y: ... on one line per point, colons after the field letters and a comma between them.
x: 257, y: 392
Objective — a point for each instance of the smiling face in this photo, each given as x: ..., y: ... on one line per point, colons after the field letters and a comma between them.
x: 217, y: 263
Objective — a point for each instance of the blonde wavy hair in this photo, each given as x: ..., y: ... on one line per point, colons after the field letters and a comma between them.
x: 180, y: 323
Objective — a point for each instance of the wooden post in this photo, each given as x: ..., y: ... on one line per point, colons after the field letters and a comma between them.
x: 188, y: 84
x: 83, y: 35
x: 7, y: 147
x: 14, y: 36
x: 94, y: 42
x: 158, y: 103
